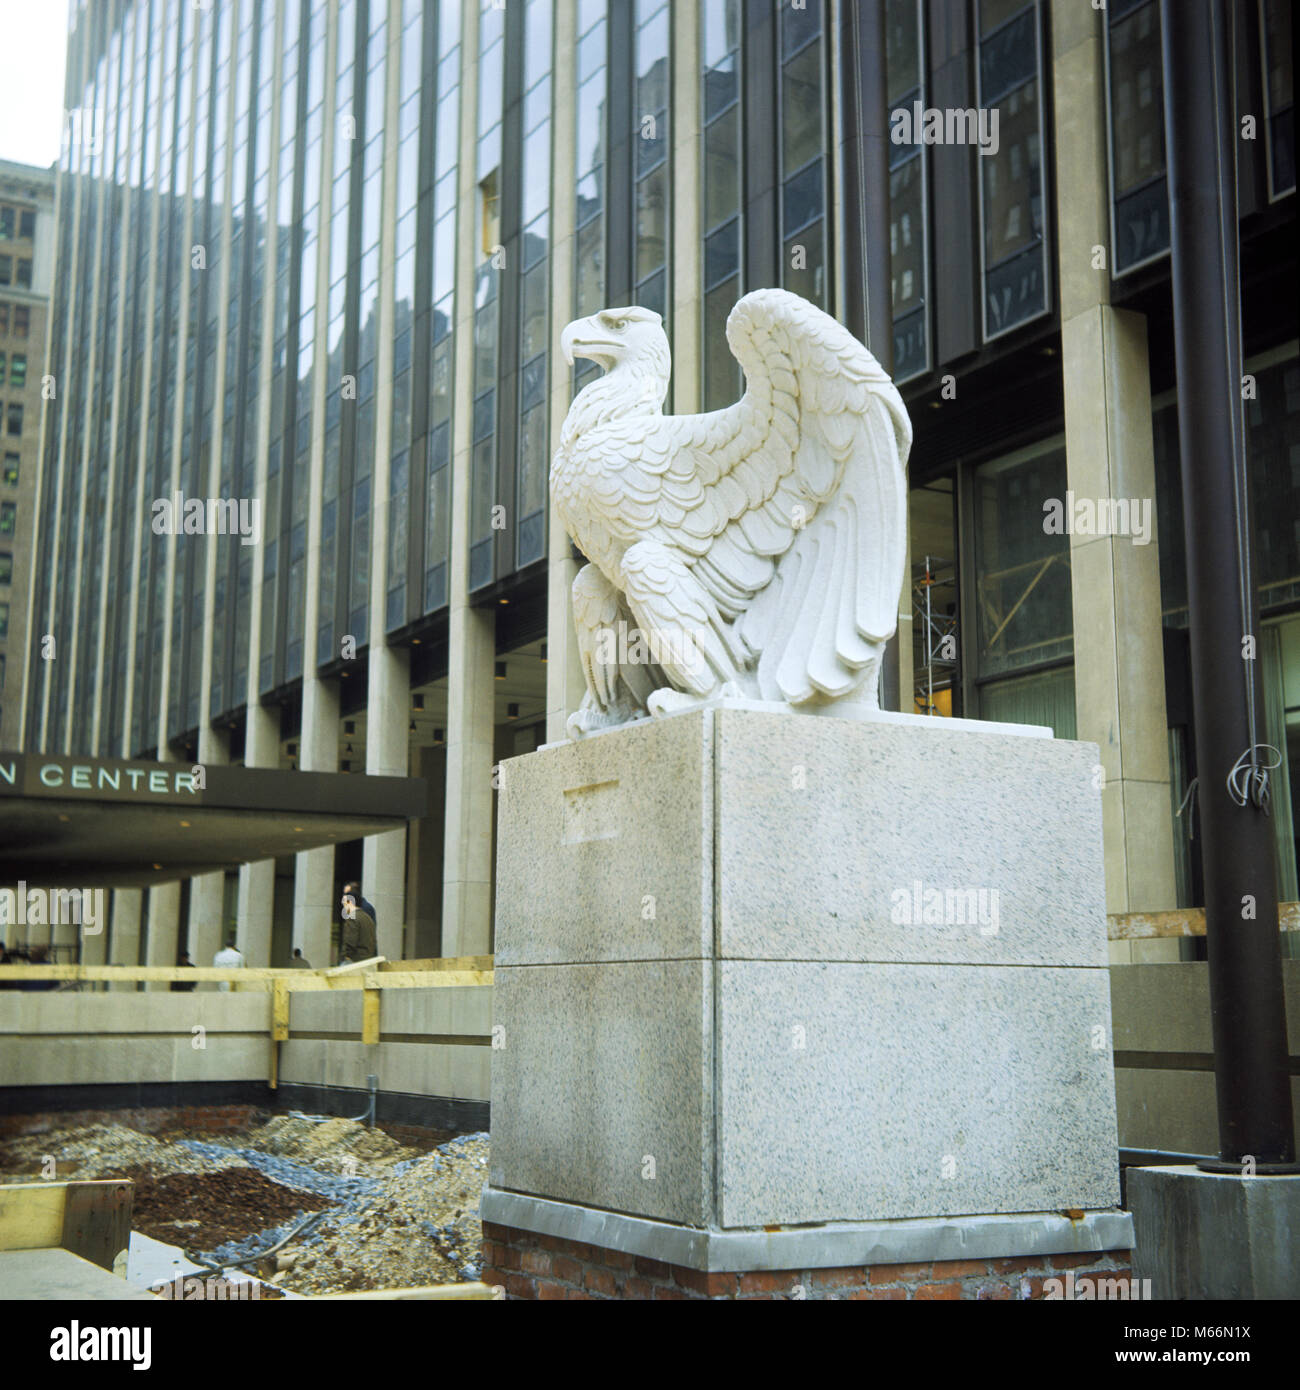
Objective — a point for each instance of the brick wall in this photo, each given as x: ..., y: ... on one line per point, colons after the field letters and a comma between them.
x: 550, y: 1267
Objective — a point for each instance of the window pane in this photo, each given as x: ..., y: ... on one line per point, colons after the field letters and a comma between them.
x: 802, y: 198
x: 651, y: 221
x: 1022, y: 580
x: 722, y: 376
x: 801, y: 108
x: 805, y: 264
x: 1013, y: 192
x: 722, y: 168
x: 1136, y: 100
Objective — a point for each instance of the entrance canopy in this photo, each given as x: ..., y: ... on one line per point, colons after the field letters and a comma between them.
x: 95, y: 822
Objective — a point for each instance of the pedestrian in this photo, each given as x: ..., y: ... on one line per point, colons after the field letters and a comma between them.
x: 357, y: 939
x: 39, y: 955
x: 298, y: 961
x: 228, y: 958
x: 183, y: 986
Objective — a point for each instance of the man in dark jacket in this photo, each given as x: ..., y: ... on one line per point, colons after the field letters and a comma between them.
x: 357, y: 941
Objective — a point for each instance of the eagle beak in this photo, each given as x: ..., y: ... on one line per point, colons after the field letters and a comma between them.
x: 567, y: 339
x: 589, y: 338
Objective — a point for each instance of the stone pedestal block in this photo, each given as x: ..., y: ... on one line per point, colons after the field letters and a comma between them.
x: 1215, y: 1235
x: 756, y: 970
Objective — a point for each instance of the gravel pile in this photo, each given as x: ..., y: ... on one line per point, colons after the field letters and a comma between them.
x: 396, y: 1218
x: 420, y: 1226
x: 105, y: 1151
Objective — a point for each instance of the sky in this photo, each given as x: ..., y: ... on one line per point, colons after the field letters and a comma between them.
x: 31, y: 79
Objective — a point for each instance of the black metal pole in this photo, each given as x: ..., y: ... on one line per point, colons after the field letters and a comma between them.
x: 1246, y: 1001
x: 864, y: 162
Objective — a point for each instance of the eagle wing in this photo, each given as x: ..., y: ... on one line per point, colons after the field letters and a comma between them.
x: 791, y: 505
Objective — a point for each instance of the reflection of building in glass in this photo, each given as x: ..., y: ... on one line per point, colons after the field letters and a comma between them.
x: 320, y: 254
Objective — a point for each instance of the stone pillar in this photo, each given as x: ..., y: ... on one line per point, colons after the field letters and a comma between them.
x: 207, y: 924
x: 314, y: 904
x: 124, y: 948
x: 257, y: 881
x: 164, y: 924
x: 1118, y: 646
x: 383, y: 871
x: 467, y: 850
x: 318, y: 743
x: 564, y: 683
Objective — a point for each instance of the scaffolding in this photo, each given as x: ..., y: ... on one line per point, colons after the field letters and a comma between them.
x: 934, y: 642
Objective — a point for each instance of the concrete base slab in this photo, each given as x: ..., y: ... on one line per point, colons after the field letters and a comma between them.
x: 55, y: 1275
x: 835, y: 1244
x: 1215, y: 1235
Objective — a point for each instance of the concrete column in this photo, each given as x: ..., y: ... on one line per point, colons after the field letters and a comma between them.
x: 383, y: 861
x: 1118, y: 648
x: 94, y: 942
x: 564, y: 683
x: 314, y: 906
x: 318, y: 743
x: 467, y: 848
x: 126, y: 912
x: 207, y: 924
x: 256, y: 898
x: 164, y: 924
x: 257, y: 881
x: 383, y: 857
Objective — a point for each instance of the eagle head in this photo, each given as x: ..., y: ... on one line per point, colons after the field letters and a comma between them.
x: 614, y: 338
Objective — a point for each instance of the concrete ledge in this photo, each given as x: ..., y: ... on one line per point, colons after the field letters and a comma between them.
x: 813, y: 1247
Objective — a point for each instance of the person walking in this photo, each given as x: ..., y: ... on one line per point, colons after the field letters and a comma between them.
x: 357, y: 940
x: 228, y: 958
x: 183, y: 986
x: 298, y: 961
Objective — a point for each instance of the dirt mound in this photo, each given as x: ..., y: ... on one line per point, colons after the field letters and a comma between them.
x: 100, y: 1151
x: 200, y: 1211
x: 335, y: 1145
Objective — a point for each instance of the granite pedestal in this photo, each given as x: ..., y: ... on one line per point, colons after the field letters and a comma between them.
x: 756, y: 971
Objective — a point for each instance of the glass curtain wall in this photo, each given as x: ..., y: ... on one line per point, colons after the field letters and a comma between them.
x: 650, y: 173
x: 489, y: 261
x: 592, y: 145
x: 534, y: 290
x: 340, y: 349
x: 909, y: 257
x: 446, y: 167
x: 409, y: 74
x: 1012, y: 195
x: 722, y: 195
x: 1024, y: 618
x: 804, y: 192
x: 1139, y: 190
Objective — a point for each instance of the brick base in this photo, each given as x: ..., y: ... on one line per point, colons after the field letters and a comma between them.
x: 550, y: 1267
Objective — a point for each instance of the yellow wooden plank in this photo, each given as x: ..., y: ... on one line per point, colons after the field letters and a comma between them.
x: 352, y: 967
x: 279, y: 1011
x: 439, y: 963
x: 31, y: 1215
x: 432, y: 979
x: 370, y: 1017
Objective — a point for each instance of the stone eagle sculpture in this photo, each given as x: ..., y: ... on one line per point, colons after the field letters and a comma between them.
x: 755, y: 551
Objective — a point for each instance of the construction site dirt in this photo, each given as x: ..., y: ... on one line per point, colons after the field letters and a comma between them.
x: 311, y: 1205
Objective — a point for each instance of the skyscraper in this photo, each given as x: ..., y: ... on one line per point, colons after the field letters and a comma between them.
x: 317, y: 257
